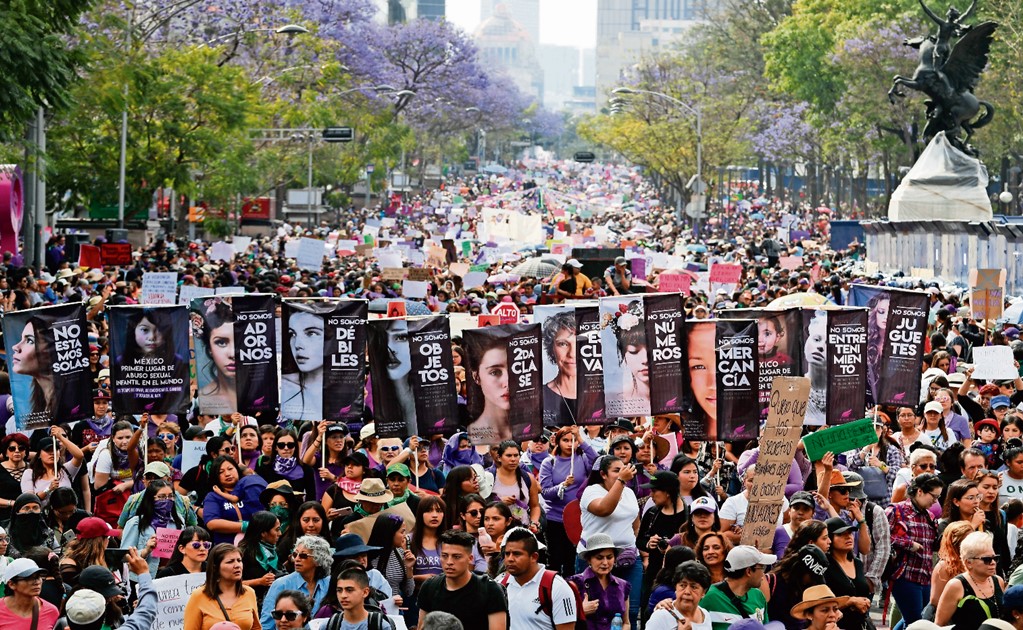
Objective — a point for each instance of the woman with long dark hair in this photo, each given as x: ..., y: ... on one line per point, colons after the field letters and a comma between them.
x: 329, y: 438
x: 222, y: 508
x: 658, y: 525
x: 497, y: 520
x: 519, y: 492
x: 302, y: 364
x: 703, y: 519
x: 114, y: 468
x: 393, y: 397
x: 846, y: 576
x: 261, y: 561
x: 155, y: 511
x: 394, y: 560
x: 562, y: 477
x: 424, y: 545
x: 49, y: 470
x: 223, y: 595
x: 13, y: 465
x: 488, y: 406
x: 962, y: 503
x: 310, y: 519
x: 460, y: 481
x: 151, y: 339
x: 190, y: 553
x: 711, y: 551
x: 798, y: 569
x: 877, y: 324
x: 286, y: 465
x: 31, y: 358
x: 216, y: 374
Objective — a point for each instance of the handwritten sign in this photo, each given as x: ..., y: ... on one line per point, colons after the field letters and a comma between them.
x: 191, y: 453
x: 166, y: 538
x: 419, y: 274
x: 840, y: 439
x: 994, y: 363
x: 393, y: 274
x: 790, y: 262
x: 674, y: 283
x: 789, y: 396
x: 310, y: 254
x: 173, y: 593
x: 114, y: 254
x: 159, y: 288
x: 987, y: 293
x: 189, y: 291
x: 723, y: 273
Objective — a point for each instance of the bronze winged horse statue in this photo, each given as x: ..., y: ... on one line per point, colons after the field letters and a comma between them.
x: 948, y: 75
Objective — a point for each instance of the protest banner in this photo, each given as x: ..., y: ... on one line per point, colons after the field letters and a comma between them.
x: 665, y: 338
x: 839, y: 439
x: 89, y: 256
x: 172, y: 595
x: 310, y: 254
x: 48, y: 363
x: 166, y: 539
x: 700, y: 420
x: 222, y: 251
x: 674, y: 283
x: 847, y: 373
x: 987, y: 293
x: 735, y: 380
x: 149, y: 359
x: 115, y: 254
x: 235, y: 354
x: 779, y: 346
x: 433, y: 372
x: 323, y: 371
x: 778, y: 442
x: 725, y: 273
x: 994, y: 363
x: 625, y: 358
x: 159, y: 288
x: 503, y: 381
x: 589, y: 367
x: 188, y: 292
x: 896, y: 327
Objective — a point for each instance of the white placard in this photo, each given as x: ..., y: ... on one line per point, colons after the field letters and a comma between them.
x: 188, y: 291
x: 230, y: 291
x: 474, y: 279
x: 414, y: 288
x: 993, y: 363
x: 387, y: 258
x: 159, y: 288
x: 310, y: 254
x: 222, y: 251
x: 191, y: 453
x: 347, y: 246
x: 291, y: 249
x: 173, y: 593
x: 241, y: 244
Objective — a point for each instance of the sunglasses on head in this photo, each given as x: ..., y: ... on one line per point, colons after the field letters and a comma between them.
x: 201, y: 544
x: 290, y: 615
x: 390, y: 448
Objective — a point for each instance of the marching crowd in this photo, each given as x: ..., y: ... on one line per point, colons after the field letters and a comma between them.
x: 628, y: 525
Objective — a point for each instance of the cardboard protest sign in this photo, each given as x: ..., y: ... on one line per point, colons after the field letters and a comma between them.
x: 114, y: 254
x: 149, y: 359
x: 166, y: 539
x: 778, y: 443
x: 172, y: 595
x: 235, y: 354
x: 323, y: 366
x: 393, y: 274
x: 987, y: 293
x: 994, y: 363
x: 849, y: 436
x: 159, y: 288
x: 48, y: 360
x: 504, y: 383
x: 419, y: 274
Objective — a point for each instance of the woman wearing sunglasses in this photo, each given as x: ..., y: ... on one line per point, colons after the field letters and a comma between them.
x: 975, y: 595
x: 190, y: 553
x: 291, y: 611
x: 13, y: 464
x: 223, y: 597
x: 313, y: 558
x: 286, y: 465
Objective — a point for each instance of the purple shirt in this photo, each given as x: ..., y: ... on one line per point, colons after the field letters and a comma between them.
x: 555, y: 470
x: 612, y: 601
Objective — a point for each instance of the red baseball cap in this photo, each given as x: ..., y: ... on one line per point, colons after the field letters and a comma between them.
x: 95, y: 527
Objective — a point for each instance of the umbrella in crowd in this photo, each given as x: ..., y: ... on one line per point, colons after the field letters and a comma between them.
x: 537, y: 267
x: 798, y: 299
x: 412, y: 307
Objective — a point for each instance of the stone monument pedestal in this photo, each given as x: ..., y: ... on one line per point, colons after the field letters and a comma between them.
x: 945, y: 184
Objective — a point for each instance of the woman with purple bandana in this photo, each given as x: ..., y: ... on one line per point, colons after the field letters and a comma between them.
x: 285, y: 464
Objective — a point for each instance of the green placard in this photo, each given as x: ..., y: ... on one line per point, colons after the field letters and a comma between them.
x: 466, y: 249
x: 840, y: 439
x: 482, y: 268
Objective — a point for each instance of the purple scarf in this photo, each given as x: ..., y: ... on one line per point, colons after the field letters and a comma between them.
x: 288, y: 467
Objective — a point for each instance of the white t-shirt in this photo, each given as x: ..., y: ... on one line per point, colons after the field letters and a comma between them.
x: 934, y: 438
x: 1010, y: 489
x: 663, y: 620
x: 903, y: 477
x: 617, y: 525
x: 523, y: 600
x: 734, y: 509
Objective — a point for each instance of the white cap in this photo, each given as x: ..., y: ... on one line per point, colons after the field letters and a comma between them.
x: 21, y: 568
x: 933, y: 406
x: 745, y: 556
x: 574, y: 263
x: 85, y: 607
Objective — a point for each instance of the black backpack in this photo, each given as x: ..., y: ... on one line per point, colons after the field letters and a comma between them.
x: 377, y: 621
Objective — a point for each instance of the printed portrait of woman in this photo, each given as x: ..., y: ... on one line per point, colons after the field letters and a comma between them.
x: 771, y: 341
x: 150, y: 344
x: 701, y: 339
x: 559, y: 395
x: 32, y: 357
x: 815, y: 357
x: 394, y: 401
x: 877, y: 327
x: 627, y: 388
x: 489, y: 403
x: 302, y: 365
x: 216, y: 367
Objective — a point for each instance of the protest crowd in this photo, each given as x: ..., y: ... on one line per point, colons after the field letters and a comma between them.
x: 524, y: 401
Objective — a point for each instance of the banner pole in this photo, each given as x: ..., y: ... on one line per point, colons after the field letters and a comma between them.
x: 56, y: 464
x: 571, y: 458
x: 323, y: 448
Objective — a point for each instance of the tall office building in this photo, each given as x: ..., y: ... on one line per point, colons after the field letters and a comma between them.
x: 401, y: 11
x: 504, y: 43
x: 431, y: 9
x: 525, y: 12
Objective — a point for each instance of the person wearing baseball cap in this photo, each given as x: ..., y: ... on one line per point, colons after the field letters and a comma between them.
x: 99, y: 599
x: 618, y: 277
x: 153, y: 471
x: 744, y: 571
x: 934, y: 428
x: 801, y: 507
x: 398, y: 477
x: 23, y: 580
x: 703, y: 519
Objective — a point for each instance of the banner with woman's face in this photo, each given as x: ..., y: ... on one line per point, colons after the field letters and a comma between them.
x: 323, y: 364
x: 412, y: 375
x: 504, y: 383
x: 48, y: 361
x: 779, y: 346
x: 560, y: 363
x: 722, y: 361
x: 590, y: 409
x: 235, y: 339
x: 626, y: 360
x: 834, y: 359
x: 149, y: 359
x: 896, y: 331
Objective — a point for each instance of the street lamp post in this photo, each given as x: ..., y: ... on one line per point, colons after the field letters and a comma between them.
x: 695, y: 112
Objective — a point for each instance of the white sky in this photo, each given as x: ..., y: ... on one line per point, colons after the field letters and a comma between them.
x: 563, y: 22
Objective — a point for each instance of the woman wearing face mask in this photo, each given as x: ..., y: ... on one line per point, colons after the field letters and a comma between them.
x: 285, y: 465
x: 27, y: 527
x: 459, y: 451
x: 281, y: 501
x: 261, y: 561
x: 190, y: 553
x: 155, y: 511
x: 114, y: 467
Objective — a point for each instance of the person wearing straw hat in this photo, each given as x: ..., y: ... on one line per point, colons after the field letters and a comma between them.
x: 605, y: 596
x: 820, y: 607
